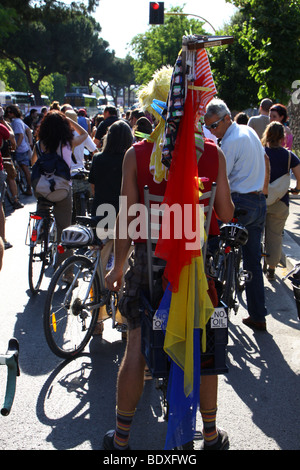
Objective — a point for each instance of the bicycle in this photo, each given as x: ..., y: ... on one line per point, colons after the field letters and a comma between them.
x: 224, y: 264
x: 81, y: 193
x: 41, y: 237
x: 294, y: 276
x: 11, y: 361
x: 77, y: 291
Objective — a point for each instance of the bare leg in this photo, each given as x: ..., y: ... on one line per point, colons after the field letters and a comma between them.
x: 131, y: 375
x: 208, y: 392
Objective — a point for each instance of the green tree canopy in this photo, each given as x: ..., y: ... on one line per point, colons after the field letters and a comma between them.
x: 270, y: 35
x: 53, y: 38
x: 229, y: 65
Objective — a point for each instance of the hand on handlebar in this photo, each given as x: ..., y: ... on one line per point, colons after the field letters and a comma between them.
x: 294, y: 190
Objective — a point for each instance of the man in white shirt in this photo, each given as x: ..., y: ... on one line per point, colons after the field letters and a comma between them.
x: 245, y: 159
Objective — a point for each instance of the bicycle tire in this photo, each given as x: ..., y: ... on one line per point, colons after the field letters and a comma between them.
x: 229, y: 278
x: 79, y: 206
x: 21, y: 179
x: 83, y: 205
x: 68, y: 323
x: 240, y: 284
x: 52, y: 243
x: 37, y: 255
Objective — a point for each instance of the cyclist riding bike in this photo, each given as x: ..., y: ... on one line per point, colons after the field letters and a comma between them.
x: 56, y: 135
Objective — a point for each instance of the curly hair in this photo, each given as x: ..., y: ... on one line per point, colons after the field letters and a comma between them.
x: 55, y: 130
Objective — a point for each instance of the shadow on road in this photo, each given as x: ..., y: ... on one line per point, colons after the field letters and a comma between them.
x: 77, y: 402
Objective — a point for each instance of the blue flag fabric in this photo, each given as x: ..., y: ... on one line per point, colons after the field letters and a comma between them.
x: 182, y: 408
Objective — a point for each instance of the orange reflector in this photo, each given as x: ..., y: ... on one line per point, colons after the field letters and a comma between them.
x: 54, y: 322
x: 60, y: 249
x: 35, y: 217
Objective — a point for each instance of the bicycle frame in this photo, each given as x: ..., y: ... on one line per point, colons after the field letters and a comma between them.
x: 225, y: 263
x: 94, y: 254
x: 41, y: 239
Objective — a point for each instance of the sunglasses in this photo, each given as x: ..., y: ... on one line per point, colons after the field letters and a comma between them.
x: 215, y: 124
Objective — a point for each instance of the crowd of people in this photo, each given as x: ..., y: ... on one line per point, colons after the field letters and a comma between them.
x: 248, y: 155
x: 271, y: 126
x: 19, y: 134
x: 240, y: 165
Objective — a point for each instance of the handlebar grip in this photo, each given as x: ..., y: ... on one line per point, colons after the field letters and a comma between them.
x: 12, y: 363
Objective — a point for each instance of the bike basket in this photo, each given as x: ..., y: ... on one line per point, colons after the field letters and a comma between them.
x: 77, y: 236
x: 213, y: 360
x: 237, y: 234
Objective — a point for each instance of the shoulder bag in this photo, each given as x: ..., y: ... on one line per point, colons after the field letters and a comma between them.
x: 279, y: 187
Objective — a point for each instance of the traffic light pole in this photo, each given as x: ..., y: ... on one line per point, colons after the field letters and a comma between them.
x: 190, y: 14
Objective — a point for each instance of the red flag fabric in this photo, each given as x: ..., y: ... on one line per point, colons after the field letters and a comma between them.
x: 182, y: 194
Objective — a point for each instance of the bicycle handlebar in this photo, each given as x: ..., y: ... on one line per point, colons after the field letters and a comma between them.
x: 11, y: 360
x: 294, y: 270
x: 294, y: 190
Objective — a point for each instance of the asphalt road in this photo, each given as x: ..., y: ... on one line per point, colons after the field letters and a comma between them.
x: 69, y: 406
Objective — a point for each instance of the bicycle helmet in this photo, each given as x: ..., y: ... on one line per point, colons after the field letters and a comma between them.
x: 234, y: 234
x: 77, y: 235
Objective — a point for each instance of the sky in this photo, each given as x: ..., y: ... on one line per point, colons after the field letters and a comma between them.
x: 121, y: 20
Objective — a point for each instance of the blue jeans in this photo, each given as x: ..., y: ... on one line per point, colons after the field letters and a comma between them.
x: 254, y: 221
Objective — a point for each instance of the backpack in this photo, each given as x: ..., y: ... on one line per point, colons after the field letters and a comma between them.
x: 51, y: 175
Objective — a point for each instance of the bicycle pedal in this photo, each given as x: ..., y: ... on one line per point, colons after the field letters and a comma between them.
x: 246, y: 276
x: 121, y: 327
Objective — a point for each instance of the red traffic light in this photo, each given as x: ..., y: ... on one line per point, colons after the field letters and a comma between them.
x: 156, y: 13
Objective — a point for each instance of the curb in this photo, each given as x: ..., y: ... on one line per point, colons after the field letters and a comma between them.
x: 290, y: 251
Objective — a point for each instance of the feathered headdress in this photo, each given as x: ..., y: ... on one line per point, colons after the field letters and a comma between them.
x: 153, y: 97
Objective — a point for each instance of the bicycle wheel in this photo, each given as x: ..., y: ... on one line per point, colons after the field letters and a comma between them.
x: 21, y: 180
x: 239, y: 272
x: 37, y: 256
x: 229, y: 278
x: 69, y: 315
x: 52, y: 244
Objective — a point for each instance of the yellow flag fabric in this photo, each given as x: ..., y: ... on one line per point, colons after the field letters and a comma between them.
x: 160, y: 172
x: 190, y: 308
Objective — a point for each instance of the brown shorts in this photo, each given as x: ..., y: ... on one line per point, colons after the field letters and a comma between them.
x: 136, y: 280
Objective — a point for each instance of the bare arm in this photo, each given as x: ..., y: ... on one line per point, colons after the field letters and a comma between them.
x: 29, y: 135
x: 224, y: 206
x: 296, y: 171
x: 33, y: 156
x: 267, y: 175
x: 129, y: 191
x: 77, y: 140
x: 11, y: 133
